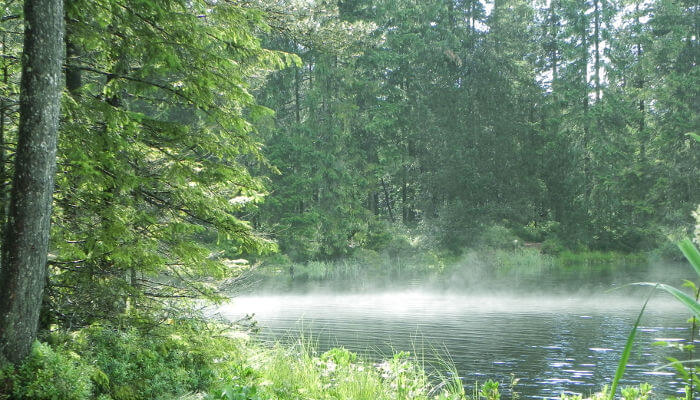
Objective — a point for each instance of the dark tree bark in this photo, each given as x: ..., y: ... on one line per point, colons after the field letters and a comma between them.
x: 25, y: 246
x: 596, y: 38
x: 3, y: 170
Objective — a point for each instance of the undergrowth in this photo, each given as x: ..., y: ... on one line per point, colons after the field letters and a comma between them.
x: 191, y: 360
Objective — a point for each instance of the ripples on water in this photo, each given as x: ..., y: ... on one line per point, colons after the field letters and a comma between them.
x: 553, y: 345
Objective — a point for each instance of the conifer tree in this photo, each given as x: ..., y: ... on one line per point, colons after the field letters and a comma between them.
x: 26, y: 237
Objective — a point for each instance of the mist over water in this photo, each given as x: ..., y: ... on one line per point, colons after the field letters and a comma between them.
x: 555, y: 334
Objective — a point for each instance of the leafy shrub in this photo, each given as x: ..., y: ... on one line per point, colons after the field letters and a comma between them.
x: 457, y: 226
x: 553, y: 246
x: 163, y: 362
x: 489, y: 391
x: 52, y: 374
x: 641, y: 392
x: 278, y: 260
x: 400, y: 245
x: 533, y: 232
x: 666, y: 251
x: 405, y: 376
x: 378, y: 236
x: 235, y: 392
x: 7, y: 377
x: 498, y: 236
x: 366, y: 258
x: 340, y: 356
x: 313, y: 270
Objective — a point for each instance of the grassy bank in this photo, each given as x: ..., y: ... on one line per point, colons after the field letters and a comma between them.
x: 208, y: 361
x: 190, y: 361
x: 421, y: 252
x: 367, y: 268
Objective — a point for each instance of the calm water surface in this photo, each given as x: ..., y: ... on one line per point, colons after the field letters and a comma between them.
x: 553, y: 343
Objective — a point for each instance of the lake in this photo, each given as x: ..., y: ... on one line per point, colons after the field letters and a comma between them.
x: 553, y: 343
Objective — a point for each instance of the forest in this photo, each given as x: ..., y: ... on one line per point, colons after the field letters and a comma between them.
x: 184, y: 182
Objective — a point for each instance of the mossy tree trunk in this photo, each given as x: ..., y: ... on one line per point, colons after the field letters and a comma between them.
x: 25, y: 245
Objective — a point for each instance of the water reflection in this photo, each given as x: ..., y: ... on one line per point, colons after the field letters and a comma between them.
x: 553, y: 344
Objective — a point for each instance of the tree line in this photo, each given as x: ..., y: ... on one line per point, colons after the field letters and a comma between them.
x: 569, y: 118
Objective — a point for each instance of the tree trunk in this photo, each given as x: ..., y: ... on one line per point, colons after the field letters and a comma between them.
x: 388, y: 201
x: 596, y: 38
x: 555, y: 37
x: 639, y: 84
x: 3, y: 169
x: 297, y: 96
x: 25, y: 247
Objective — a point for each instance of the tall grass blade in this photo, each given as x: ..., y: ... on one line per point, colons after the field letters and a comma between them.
x: 671, y: 364
x: 627, y: 351
x: 691, y: 253
x: 688, y: 301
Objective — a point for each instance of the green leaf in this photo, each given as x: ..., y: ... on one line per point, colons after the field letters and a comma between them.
x: 691, y: 253
x: 674, y: 362
x: 627, y: 351
x: 694, y: 136
x: 688, y: 301
x: 680, y: 369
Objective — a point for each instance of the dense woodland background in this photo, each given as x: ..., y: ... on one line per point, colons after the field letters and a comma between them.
x: 566, y: 117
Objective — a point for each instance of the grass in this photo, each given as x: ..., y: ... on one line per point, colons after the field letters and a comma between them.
x: 299, y: 372
x: 588, y: 258
x: 369, y: 267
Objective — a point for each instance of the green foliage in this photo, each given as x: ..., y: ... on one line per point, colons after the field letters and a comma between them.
x: 313, y: 270
x: 167, y: 360
x: 581, y: 258
x: 101, y: 362
x: 378, y: 237
x: 340, y: 356
x: 7, y: 378
x: 489, y: 391
x: 641, y: 392
x: 50, y: 374
x: 154, y: 187
x: 690, y: 302
x: 537, y: 232
x: 553, y: 246
x: 235, y: 393
x: 438, y: 115
x: 339, y: 374
x: 498, y: 237
x: 624, y: 357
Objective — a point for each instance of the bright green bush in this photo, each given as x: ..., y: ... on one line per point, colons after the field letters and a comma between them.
x: 489, y: 391
x: 51, y: 374
x: 339, y: 356
x: 161, y: 362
